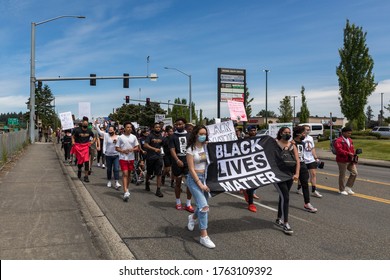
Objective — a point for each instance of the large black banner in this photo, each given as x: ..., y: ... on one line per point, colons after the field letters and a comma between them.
x: 244, y: 164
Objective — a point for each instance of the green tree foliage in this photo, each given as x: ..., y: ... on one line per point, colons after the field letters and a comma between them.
x: 286, y: 110
x: 270, y: 114
x: 144, y: 115
x: 44, y: 107
x: 248, y: 106
x: 304, y: 113
x: 356, y: 80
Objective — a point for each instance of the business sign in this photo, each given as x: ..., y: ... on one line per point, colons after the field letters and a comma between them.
x: 231, y: 85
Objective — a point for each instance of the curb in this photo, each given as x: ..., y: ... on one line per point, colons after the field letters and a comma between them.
x: 323, y: 154
x: 105, y: 238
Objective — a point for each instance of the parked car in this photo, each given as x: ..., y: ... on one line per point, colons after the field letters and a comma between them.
x: 382, y: 130
x: 262, y: 132
x: 317, y: 129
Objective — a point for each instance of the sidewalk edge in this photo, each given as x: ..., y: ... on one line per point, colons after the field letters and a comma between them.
x: 106, y: 239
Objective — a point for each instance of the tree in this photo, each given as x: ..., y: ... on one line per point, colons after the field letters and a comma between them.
x: 286, y: 110
x: 356, y: 80
x: 369, y: 115
x: 44, y: 111
x: 271, y: 114
x: 304, y: 114
x: 248, y: 106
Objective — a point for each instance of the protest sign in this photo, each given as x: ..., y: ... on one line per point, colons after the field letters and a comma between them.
x: 244, y: 164
x: 66, y: 120
x: 237, y: 111
x: 223, y: 131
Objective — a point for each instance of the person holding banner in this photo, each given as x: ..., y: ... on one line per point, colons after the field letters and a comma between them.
x: 283, y: 139
x: 178, y: 149
x: 197, y: 162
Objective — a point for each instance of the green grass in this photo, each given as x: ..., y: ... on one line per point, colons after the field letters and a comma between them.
x: 372, y: 149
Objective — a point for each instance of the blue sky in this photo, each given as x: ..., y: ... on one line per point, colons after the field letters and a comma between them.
x: 297, y: 41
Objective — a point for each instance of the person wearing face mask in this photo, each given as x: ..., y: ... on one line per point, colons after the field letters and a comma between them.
x: 178, y: 149
x: 283, y: 140
x: 299, y: 135
x: 197, y: 163
x: 154, y: 162
x: 82, y: 139
x: 111, y: 154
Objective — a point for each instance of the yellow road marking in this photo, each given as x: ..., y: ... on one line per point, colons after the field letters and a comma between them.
x: 373, y: 198
x: 358, y: 179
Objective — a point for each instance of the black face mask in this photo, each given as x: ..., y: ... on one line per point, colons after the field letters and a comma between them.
x: 302, y: 138
x: 111, y: 133
x: 286, y: 136
x: 180, y: 129
x: 85, y: 126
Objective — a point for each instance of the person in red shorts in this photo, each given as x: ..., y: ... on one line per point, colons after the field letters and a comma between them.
x: 126, y: 145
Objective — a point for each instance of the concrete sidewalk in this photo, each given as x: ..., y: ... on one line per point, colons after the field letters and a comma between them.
x: 44, y: 215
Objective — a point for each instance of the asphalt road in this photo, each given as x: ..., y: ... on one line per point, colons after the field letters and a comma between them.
x: 345, y: 227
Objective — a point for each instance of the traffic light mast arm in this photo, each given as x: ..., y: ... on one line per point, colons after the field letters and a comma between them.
x: 59, y: 78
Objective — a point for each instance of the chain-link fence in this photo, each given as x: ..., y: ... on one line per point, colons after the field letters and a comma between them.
x: 10, y: 143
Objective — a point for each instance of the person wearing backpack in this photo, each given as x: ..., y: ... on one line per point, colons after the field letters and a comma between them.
x: 345, y: 160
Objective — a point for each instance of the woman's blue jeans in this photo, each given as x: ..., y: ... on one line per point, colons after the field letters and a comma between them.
x: 201, y: 199
x: 112, y: 162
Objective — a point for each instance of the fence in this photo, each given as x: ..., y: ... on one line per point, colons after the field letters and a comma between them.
x: 10, y: 143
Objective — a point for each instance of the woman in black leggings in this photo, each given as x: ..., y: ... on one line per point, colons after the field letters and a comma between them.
x: 283, y: 140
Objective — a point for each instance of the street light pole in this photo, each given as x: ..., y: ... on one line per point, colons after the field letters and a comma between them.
x: 190, y: 88
x: 32, y: 73
x: 266, y: 97
x: 294, y: 96
x: 380, y: 123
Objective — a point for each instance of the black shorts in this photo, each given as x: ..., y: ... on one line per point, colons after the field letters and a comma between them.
x: 179, y: 171
x: 154, y: 166
x: 311, y: 165
x: 167, y: 161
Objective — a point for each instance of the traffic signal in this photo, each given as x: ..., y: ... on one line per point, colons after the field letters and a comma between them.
x: 127, y: 98
x: 126, y: 81
x: 147, y: 101
x: 39, y: 85
x: 92, y: 82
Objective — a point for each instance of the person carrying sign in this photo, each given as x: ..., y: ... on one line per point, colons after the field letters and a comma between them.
x: 197, y: 161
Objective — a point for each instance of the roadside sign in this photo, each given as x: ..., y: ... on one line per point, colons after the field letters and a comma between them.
x: 13, y: 121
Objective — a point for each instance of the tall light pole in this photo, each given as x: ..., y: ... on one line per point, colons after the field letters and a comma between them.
x: 380, y: 122
x: 294, y: 96
x: 32, y: 73
x: 266, y: 97
x: 190, y: 89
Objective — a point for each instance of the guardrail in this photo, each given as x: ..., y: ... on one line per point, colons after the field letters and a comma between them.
x: 11, y: 143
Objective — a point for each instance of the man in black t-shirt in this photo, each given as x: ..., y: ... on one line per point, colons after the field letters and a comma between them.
x: 154, y: 162
x: 178, y: 148
x: 82, y: 138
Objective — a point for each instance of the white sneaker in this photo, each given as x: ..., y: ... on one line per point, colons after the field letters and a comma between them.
x: 117, y: 185
x: 316, y: 194
x: 98, y: 164
x: 206, y: 241
x: 109, y: 184
x: 126, y: 196
x: 103, y: 166
x: 349, y: 190
x: 308, y: 207
x: 191, y: 222
x: 343, y: 193
x: 299, y: 191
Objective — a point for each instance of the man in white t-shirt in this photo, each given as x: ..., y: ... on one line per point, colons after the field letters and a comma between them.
x: 311, y: 161
x: 126, y: 145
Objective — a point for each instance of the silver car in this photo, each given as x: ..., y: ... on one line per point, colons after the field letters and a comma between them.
x: 382, y: 130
